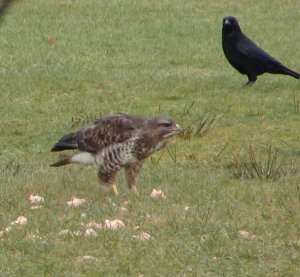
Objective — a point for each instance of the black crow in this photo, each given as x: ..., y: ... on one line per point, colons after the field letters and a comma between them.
x: 245, y: 56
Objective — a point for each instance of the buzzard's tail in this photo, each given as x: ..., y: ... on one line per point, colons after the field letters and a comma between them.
x: 66, y: 143
x: 77, y: 158
x: 64, y: 160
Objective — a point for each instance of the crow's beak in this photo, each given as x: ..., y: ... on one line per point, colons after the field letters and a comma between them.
x: 226, y: 22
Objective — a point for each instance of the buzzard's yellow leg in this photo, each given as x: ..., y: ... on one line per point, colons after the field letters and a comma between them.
x: 114, y: 190
x: 132, y: 172
x: 107, y: 181
x: 109, y: 188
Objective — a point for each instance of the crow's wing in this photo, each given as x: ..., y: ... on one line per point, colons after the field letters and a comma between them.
x: 254, y: 55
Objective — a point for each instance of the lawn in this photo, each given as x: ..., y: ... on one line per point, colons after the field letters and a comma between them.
x: 235, y: 168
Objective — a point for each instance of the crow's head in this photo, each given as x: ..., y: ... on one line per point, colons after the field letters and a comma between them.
x: 230, y: 24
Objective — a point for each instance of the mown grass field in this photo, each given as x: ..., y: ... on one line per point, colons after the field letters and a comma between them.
x: 65, y: 62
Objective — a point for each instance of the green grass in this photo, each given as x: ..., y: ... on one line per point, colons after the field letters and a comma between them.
x: 63, y: 62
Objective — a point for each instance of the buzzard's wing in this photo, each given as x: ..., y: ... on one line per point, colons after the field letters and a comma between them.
x: 108, y: 130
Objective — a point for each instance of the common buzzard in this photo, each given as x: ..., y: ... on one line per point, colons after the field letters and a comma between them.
x: 115, y: 142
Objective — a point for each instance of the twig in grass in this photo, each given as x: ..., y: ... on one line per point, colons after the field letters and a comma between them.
x: 298, y: 190
x: 187, y: 109
x: 159, y: 158
x: 204, y: 125
x: 174, y: 157
x: 216, y: 157
x: 296, y: 103
x: 254, y: 163
x: 269, y: 166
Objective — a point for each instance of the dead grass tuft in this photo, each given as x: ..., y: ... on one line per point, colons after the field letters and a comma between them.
x: 270, y: 164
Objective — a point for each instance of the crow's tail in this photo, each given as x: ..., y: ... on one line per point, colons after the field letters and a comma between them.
x: 287, y: 71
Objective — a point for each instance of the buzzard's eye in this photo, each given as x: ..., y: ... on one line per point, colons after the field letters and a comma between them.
x: 167, y: 125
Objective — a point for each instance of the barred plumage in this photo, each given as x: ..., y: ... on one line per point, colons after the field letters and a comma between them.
x: 115, y: 142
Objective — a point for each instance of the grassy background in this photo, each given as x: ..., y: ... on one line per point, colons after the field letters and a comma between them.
x: 63, y: 62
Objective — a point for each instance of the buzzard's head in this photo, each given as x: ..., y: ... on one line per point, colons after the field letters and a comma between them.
x: 230, y: 24
x: 163, y: 128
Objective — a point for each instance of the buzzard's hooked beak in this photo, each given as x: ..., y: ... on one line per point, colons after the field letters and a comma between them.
x: 176, y: 130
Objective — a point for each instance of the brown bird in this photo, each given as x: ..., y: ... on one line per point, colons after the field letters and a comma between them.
x: 115, y: 142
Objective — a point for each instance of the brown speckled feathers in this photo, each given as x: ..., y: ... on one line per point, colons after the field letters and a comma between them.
x: 101, y: 133
x: 115, y: 142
